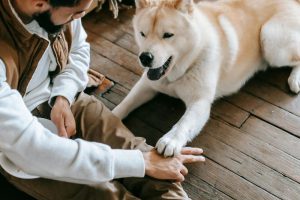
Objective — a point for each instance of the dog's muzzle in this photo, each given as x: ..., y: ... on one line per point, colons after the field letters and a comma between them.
x: 157, y: 73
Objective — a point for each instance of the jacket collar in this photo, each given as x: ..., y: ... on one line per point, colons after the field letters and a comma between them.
x: 14, y: 22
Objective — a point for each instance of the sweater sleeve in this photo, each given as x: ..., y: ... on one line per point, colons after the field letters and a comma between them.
x: 73, y: 78
x: 37, y: 151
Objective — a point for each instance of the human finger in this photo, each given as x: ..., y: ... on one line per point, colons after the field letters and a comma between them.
x: 184, y: 171
x: 62, y: 131
x: 60, y: 124
x: 192, y: 158
x: 191, y: 150
x: 179, y: 177
x: 70, y: 127
x: 69, y: 122
x: 71, y: 130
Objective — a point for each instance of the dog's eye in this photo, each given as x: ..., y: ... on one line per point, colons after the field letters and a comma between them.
x: 142, y: 34
x: 168, y: 35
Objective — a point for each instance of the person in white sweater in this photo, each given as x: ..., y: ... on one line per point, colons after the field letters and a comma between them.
x: 34, y: 45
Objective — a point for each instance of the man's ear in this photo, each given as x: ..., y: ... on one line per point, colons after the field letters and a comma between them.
x: 185, y: 6
x: 41, y: 5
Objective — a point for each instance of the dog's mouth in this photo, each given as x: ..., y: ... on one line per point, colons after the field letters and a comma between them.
x: 157, y: 73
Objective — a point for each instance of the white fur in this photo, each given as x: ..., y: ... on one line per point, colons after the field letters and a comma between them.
x: 232, y: 39
x: 211, y: 57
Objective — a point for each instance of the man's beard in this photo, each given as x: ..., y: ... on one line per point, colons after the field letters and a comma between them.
x: 44, y: 20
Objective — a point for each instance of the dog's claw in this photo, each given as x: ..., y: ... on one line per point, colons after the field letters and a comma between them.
x: 168, y: 146
x: 160, y: 146
x: 170, y: 150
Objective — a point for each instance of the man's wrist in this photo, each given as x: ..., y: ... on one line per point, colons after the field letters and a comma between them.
x: 147, y: 162
x: 61, y: 100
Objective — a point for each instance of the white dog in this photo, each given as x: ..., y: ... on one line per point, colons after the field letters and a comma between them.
x: 200, y: 52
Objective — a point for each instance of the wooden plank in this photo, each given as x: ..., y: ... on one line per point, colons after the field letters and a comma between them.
x: 273, y: 136
x: 248, y: 168
x: 111, y: 33
x: 231, y: 158
x: 113, y: 70
x: 135, y: 124
x: 123, y: 22
x: 113, y: 97
x: 140, y: 128
x: 200, y: 190
x: 121, y: 90
x: 228, y: 182
x: 273, y: 95
x: 256, y: 149
x: 106, y: 102
x: 267, y: 112
x: 127, y: 41
x: 105, y: 30
x: 115, y: 53
x: 229, y: 113
x: 196, y: 188
x: 116, y: 94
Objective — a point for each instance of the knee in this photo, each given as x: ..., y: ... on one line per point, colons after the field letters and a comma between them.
x: 87, y: 108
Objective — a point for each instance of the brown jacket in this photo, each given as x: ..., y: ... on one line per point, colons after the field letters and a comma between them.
x: 21, y: 51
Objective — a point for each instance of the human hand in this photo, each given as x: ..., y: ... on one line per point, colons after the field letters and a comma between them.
x: 63, y: 118
x: 171, y: 168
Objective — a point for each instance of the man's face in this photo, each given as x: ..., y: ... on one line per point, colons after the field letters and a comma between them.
x: 54, y: 19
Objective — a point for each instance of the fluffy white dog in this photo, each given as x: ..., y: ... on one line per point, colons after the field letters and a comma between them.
x: 200, y: 52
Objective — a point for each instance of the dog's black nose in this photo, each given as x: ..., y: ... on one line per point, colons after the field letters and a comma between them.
x: 146, y: 59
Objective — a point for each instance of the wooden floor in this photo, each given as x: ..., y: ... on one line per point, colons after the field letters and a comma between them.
x: 251, y: 141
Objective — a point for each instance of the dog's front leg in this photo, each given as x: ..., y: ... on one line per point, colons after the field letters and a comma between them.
x: 139, y: 94
x: 191, y: 123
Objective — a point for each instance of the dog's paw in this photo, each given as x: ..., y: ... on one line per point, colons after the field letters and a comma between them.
x: 169, y: 146
x: 294, y: 83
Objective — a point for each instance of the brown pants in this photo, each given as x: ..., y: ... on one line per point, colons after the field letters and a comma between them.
x: 95, y: 122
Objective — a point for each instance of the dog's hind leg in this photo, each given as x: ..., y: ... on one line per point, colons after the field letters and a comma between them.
x: 139, y: 94
x: 280, y: 39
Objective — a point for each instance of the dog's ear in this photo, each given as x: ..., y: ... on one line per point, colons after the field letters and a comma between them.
x: 185, y: 6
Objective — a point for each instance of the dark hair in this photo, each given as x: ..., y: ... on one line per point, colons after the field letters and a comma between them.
x: 63, y: 3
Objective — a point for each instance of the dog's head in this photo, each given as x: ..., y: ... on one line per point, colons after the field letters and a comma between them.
x: 164, y: 33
